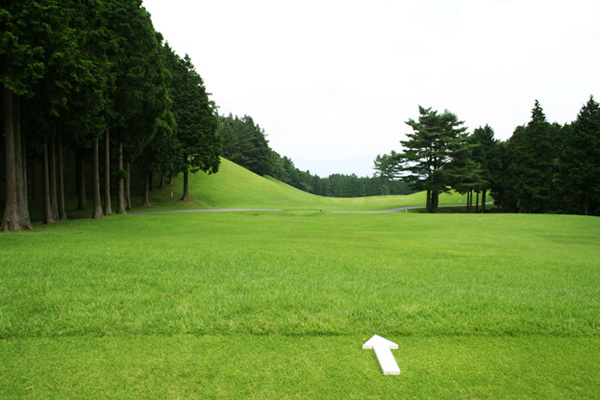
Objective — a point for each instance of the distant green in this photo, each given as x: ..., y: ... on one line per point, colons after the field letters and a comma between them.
x: 277, y: 305
x: 236, y: 187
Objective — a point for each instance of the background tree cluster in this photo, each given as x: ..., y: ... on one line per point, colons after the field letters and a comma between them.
x: 542, y: 168
x: 246, y: 144
x: 83, y: 76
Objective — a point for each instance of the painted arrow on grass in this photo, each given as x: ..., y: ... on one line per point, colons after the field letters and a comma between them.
x: 384, y: 354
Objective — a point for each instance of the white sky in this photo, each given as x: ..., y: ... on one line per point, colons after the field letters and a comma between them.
x: 333, y: 81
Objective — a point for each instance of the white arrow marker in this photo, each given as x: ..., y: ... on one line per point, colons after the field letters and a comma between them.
x: 384, y: 354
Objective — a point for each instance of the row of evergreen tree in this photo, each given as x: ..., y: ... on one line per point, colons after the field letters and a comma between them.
x: 77, y: 74
x: 246, y: 144
x: 542, y: 168
x: 81, y: 77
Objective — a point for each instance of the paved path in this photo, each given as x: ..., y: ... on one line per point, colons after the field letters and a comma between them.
x: 392, y: 210
x: 399, y: 209
x: 205, y: 210
x: 185, y: 211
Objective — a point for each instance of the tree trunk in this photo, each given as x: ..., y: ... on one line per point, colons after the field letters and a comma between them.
x: 469, y: 201
x: 186, y: 195
x: 477, y: 202
x: 171, y: 180
x: 107, y: 206
x: 483, y: 201
x: 434, y: 200
x: 428, y: 202
x: 52, y: 173
x: 21, y: 169
x: 10, y: 221
x: 128, y: 188
x: 81, y: 182
x: 48, y: 215
x: 121, y: 205
x: 146, y: 202
x: 161, y: 183
x: 31, y: 171
x: 97, y: 214
x: 61, y: 180
x: 25, y: 214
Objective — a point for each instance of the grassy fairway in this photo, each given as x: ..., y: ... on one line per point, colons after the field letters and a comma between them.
x: 277, y: 305
x: 236, y: 187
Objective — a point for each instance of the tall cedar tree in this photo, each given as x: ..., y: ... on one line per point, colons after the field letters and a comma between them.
x: 465, y: 174
x: 486, y: 154
x: 580, y: 162
x: 196, y: 118
x: 531, y: 154
x: 141, y: 98
x: 429, y: 152
x: 34, y: 44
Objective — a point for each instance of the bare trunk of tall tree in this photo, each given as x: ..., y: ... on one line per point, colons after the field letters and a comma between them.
x: 31, y: 173
x: 146, y: 202
x: 21, y: 169
x: 161, y: 179
x: 483, y: 201
x: 128, y: 188
x: 186, y: 195
x: 469, y: 200
x: 171, y: 180
x: 52, y: 172
x: 97, y: 214
x: 25, y: 184
x: 121, y: 205
x: 61, y: 180
x: 16, y: 210
x: 81, y: 183
x: 477, y: 202
x: 428, y: 202
x: 48, y: 216
x: 10, y: 220
x: 435, y: 196
x: 107, y: 206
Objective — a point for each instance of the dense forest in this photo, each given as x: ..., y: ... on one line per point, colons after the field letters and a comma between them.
x: 93, y: 98
x: 91, y: 82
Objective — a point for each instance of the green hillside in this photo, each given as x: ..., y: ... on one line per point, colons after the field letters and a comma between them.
x: 236, y: 187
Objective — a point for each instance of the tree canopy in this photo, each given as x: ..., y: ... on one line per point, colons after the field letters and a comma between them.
x: 77, y: 71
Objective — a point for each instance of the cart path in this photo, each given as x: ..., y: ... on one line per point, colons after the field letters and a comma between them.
x: 204, y: 210
x: 392, y: 210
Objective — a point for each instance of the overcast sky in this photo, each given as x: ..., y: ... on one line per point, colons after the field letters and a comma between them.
x: 332, y: 82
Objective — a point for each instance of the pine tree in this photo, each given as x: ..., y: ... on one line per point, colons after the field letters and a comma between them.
x: 196, y: 119
x: 429, y: 151
x: 531, y: 155
x: 580, y: 161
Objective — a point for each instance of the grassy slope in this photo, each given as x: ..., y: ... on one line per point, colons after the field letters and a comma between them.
x: 236, y: 187
x: 277, y: 305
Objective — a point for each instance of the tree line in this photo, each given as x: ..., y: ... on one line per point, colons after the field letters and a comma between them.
x: 245, y: 143
x: 542, y: 168
x: 92, y: 81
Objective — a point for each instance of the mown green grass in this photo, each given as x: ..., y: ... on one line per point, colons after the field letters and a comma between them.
x: 277, y: 305
x: 236, y: 187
